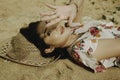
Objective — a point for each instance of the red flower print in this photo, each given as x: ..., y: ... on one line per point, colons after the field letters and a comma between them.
x: 118, y: 28
x: 90, y: 50
x: 78, y: 44
x: 102, y: 25
x: 100, y: 68
x: 108, y: 27
x: 94, y: 31
x: 75, y: 55
x: 117, y: 36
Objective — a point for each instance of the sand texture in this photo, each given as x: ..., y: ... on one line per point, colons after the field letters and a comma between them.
x: 15, y: 14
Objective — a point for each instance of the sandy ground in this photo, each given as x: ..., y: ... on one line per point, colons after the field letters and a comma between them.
x: 15, y: 14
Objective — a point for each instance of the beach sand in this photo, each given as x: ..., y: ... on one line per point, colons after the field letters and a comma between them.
x: 15, y: 14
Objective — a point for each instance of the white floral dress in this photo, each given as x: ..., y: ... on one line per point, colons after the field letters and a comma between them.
x: 85, y: 46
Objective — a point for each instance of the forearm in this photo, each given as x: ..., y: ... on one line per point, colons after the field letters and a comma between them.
x: 78, y: 3
x: 79, y: 7
x: 107, y: 48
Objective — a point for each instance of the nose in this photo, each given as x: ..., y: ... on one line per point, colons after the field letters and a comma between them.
x: 58, y: 27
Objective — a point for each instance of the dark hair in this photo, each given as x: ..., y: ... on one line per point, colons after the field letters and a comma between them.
x: 30, y: 33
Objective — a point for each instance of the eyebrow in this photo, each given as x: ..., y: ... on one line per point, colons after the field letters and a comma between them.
x: 45, y: 30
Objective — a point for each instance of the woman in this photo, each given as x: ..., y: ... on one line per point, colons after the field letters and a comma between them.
x: 96, y: 44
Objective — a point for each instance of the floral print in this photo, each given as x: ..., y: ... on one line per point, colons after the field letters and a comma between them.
x: 118, y: 28
x: 83, y: 49
x: 94, y: 31
x: 75, y: 55
x: 116, y: 35
x: 90, y: 50
x: 100, y: 68
x: 80, y: 44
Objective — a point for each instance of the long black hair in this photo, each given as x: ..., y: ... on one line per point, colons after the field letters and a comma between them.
x: 31, y: 34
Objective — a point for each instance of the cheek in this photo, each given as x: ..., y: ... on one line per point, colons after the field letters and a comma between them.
x: 56, y: 39
x: 62, y: 39
x: 47, y: 41
x: 66, y: 35
x: 55, y: 36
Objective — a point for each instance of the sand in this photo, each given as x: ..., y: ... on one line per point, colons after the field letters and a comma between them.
x: 15, y: 14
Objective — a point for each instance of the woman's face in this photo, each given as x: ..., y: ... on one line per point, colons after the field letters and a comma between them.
x: 58, y: 36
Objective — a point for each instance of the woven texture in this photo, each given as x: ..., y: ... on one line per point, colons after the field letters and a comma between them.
x: 20, y: 50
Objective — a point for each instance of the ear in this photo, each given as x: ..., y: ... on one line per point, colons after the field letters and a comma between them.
x: 49, y: 50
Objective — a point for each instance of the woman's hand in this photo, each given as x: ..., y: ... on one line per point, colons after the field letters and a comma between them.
x: 67, y: 12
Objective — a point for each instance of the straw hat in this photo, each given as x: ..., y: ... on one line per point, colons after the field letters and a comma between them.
x: 27, y: 48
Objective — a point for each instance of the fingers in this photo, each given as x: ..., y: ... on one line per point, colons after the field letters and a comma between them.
x: 51, y: 6
x: 46, y: 18
x: 54, y: 22
x: 70, y: 20
x: 76, y: 25
x: 47, y: 13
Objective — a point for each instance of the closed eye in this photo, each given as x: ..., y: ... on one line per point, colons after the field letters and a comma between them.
x: 48, y: 33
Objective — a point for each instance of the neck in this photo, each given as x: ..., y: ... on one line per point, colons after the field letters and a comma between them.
x: 70, y: 40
